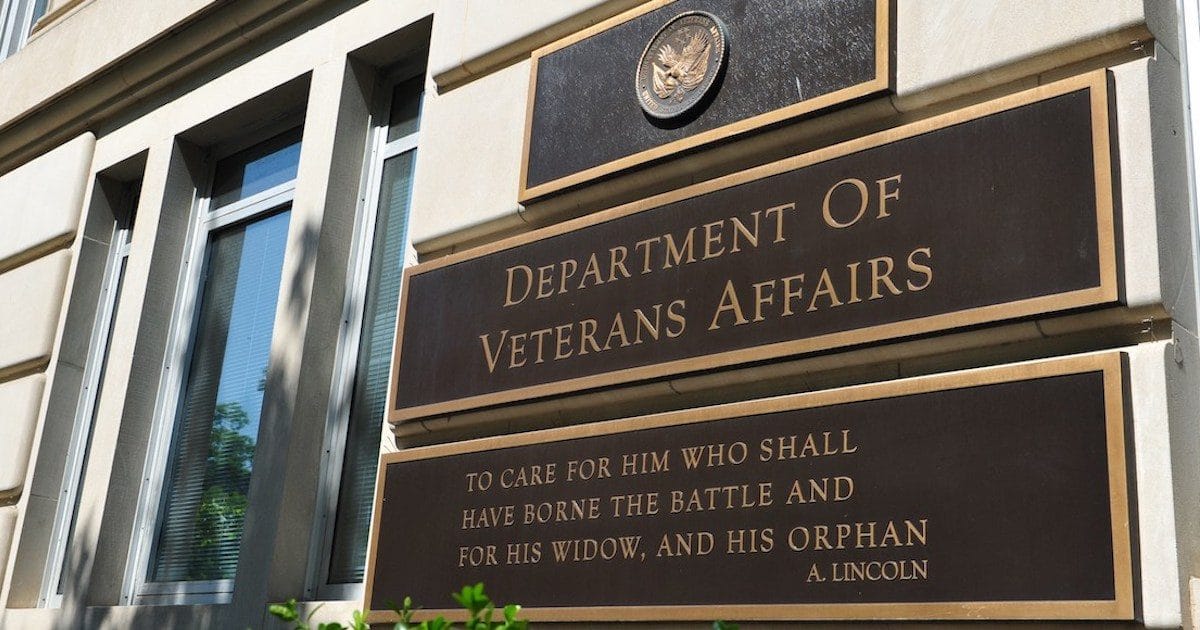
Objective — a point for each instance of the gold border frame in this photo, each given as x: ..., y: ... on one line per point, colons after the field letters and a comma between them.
x: 1121, y: 607
x: 881, y: 82
x: 1096, y: 81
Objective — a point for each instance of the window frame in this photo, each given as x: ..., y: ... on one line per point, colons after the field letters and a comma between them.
x: 350, y: 333
x: 138, y: 589
x: 83, y: 423
x: 17, y: 18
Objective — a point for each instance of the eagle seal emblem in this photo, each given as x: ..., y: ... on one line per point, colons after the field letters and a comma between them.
x: 681, y: 64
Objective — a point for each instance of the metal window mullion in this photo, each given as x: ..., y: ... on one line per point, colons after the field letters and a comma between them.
x: 8, y: 18
x: 400, y: 145
x: 1189, y: 39
x: 84, y: 414
x: 250, y: 206
x: 25, y: 26
x: 166, y: 453
x: 184, y: 321
x: 214, y: 587
x: 346, y: 361
x: 338, y: 418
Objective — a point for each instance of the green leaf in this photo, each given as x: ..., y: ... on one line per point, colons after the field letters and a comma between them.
x: 721, y: 625
x: 405, y: 613
x: 332, y: 625
x: 285, y: 611
x: 463, y: 598
x: 510, y: 612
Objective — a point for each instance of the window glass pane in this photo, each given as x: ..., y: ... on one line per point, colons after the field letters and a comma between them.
x: 204, y: 502
x: 369, y: 396
x: 256, y: 169
x: 406, y: 108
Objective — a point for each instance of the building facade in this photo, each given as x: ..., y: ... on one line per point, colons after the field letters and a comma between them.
x: 208, y: 208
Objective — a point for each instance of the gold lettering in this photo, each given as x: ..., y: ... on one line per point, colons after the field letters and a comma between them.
x: 729, y: 302
x: 644, y: 246
x: 712, y: 236
x: 508, y: 292
x: 618, y: 331
x: 924, y: 270
x: 778, y: 212
x: 824, y: 287
x: 592, y: 270
x: 853, y: 267
x: 540, y: 335
x: 740, y: 228
x: 545, y: 282
x: 760, y: 298
x: 677, y: 253
x: 790, y: 294
x: 563, y: 340
x: 862, y: 199
x: 617, y: 261
x: 675, y: 315
x: 490, y: 355
x: 587, y: 336
x: 877, y: 277
x: 644, y: 323
x: 565, y: 274
x: 516, y: 347
x: 885, y: 194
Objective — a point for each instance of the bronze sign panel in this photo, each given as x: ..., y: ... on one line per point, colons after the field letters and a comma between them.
x: 997, y: 211
x: 998, y: 493
x: 705, y: 70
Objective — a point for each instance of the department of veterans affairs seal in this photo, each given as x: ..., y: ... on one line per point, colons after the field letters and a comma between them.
x: 681, y: 64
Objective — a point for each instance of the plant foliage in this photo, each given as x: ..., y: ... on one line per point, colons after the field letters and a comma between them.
x: 481, y: 615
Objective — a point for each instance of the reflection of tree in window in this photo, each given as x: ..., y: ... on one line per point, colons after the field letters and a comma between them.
x: 223, y: 508
x: 213, y: 458
x: 205, y: 497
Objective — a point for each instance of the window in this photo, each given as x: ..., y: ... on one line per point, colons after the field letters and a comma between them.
x: 365, y: 355
x: 241, y: 233
x: 63, y: 530
x: 18, y: 17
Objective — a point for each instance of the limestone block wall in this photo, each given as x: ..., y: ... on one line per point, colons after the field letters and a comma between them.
x: 76, y: 104
x: 40, y: 205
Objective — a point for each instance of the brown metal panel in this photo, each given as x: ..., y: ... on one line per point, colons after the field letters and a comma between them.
x: 997, y: 493
x: 785, y: 59
x: 997, y: 211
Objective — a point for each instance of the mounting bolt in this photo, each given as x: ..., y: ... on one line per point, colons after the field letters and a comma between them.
x: 1148, y: 328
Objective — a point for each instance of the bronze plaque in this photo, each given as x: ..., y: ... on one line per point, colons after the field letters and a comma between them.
x: 997, y: 493
x: 998, y: 211
x: 741, y: 66
x: 681, y: 64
